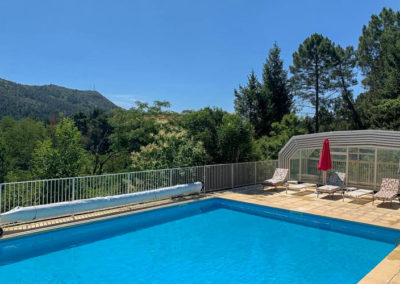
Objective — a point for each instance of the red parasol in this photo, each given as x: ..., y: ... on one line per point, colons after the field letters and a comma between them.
x: 325, y: 162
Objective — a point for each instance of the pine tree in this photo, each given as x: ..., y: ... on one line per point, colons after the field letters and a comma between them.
x: 312, y: 65
x: 275, y: 83
x: 343, y: 78
x: 252, y: 102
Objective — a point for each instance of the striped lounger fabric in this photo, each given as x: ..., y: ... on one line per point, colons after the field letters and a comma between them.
x: 389, y: 190
x: 278, y: 179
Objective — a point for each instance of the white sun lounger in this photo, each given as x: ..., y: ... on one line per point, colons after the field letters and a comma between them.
x: 357, y: 194
x: 301, y: 185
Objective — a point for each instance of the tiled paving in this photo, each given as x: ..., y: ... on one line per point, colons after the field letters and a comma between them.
x: 362, y: 210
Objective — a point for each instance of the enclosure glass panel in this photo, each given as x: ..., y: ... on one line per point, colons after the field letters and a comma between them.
x: 387, y: 165
x: 309, y: 163
x: 295, y: 166
x: 361, y: 166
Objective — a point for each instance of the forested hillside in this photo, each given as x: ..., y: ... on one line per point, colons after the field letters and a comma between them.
x: 19, y: 100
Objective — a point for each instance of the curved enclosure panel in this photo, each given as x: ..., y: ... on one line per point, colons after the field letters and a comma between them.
x: 21, y: 214
x: 366, y: 156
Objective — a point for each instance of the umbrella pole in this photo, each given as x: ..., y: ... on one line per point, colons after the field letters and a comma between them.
x: 324, y: 177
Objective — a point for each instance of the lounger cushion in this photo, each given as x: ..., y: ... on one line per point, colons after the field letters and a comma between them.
x: 359, y: 192
x: 302, y: 185
x: 385, y: 195
x: 328, y: 188
x: 273, y: 182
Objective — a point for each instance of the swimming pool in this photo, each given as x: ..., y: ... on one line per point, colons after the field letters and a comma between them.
x: 213, y: 240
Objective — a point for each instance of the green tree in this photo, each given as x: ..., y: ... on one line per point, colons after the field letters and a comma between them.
x: 172, y: 147
x: 254, y: 103
x: 96, y: 132
x: 343, y: 79
x: 379, y: 60
x: 275, y: 85
x: 203, y: 126
x: 386, y: 115
x: 235, y: 139
x: 226, y: 137
x: 18, y: 139
x: 133, y: 129
x: 60, y: 156
x: 375, y: 49
x: 3, y: 167
x: 311, y: 69
x: 281, y: 132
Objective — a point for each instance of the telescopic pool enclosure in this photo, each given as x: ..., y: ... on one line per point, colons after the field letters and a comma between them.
x: 366, y: 156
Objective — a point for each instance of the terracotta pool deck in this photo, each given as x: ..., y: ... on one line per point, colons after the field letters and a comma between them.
x: 362, y: 210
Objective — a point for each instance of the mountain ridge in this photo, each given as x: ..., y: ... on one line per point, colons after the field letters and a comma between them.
x: 20, y: 100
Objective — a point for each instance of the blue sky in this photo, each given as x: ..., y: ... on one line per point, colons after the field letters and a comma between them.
x: 191, y: 53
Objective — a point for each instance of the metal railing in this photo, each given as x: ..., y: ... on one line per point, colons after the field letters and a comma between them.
x: 213, y: 177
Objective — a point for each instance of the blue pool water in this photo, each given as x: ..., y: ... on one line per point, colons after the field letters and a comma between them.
x: 202, y: 242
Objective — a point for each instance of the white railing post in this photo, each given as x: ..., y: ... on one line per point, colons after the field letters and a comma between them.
x: 347, y: 166
x: 375, y: 167
x: 204, y: 179
x: 300, y: 165
x: 232, y: 175
x: 128, y: 190
x: 1, y: 189
x: 255, y: 172
x: 73, y: 189
x: 170, y: 177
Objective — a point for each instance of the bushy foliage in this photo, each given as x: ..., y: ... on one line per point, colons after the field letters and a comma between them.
x: 61, y: 155
x: 379, y: 59
x: 269, y: 146
x: 386, y: 115
x: 235, y: 139
x: 203, y: 126
x: 18, y: 139
x: 226, y: 137
x: 172, y: 147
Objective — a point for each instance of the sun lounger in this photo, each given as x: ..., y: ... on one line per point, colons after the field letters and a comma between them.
x: 300, y: 186
x: 335, y: 183
x: 389, y: 190
x: 278, y: 179
x: 358, y: 193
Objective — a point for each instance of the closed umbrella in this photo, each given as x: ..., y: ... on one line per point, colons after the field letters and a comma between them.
x: 325, y: 162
